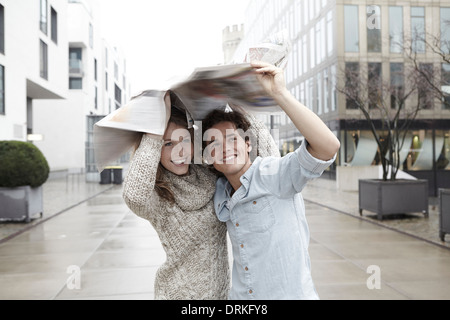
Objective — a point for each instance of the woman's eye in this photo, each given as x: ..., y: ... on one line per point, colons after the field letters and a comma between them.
x: 168, y: 144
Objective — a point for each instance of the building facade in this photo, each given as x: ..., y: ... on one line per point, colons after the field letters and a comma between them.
x: 71, y: 78
x: 331, y: 36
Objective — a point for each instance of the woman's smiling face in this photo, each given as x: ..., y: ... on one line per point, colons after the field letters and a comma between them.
x: 177, y: 151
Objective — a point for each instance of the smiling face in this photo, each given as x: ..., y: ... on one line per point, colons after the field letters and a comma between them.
x: 177, y: 151
x: 227, y: 150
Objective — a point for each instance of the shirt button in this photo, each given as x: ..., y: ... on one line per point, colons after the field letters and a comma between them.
x: 254, y: 202
x: 242, y: 245
x: 250, y: 291
x: 246, y: 269
x: 237, y: 224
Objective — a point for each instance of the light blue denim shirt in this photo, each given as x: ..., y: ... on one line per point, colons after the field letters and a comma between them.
x: 267, y: 226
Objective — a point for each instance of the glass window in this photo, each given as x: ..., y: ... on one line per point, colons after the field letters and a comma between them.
x: 396, y: 29
x: 421, y: 155
x: 2, y: 90
x: 443, y: 161
x: 373, y: 29
x: 397, y: 84
x: 326, y: 88
x: 425, y: 90
x: 43, y: 60
x: 75, y: 83
x: 418, y: 29
x: 333, y: 88
x: 330, y: 34
x: 445, y: 85
x: 352, y: 83
x: 319, y: 94
x: 374, y: 85
x: 351, y: 28
x: 54, y: 17
x: 91, y: 36
x: 43, y: 16
x: 445, y: 30
x: 2, y: 29
x: 312, y: 46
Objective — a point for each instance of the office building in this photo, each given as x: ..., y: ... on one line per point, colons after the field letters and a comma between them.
x: 331, y: 36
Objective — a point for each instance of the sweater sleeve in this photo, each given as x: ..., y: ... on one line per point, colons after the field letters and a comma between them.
x: 266, y: 146
x: 139, y: 185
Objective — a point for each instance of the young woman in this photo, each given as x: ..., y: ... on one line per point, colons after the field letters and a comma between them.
x: 177, y: 198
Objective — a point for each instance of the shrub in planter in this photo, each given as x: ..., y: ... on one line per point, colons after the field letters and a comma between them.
x: 22, y: 164
x: 23, y: 170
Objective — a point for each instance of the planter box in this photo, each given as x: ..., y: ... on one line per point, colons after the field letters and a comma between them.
x: 393, y: 197
x: 21, y: 203
x: 444, y: 213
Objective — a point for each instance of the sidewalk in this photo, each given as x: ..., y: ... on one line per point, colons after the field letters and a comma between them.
x: 88, y: 234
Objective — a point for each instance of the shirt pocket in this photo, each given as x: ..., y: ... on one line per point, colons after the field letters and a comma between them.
x: 257, y: 215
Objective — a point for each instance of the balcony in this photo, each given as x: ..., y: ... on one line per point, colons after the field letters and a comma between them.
x: 76, y: 68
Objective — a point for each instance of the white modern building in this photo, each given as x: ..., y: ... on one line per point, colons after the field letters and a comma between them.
x: 33, y: 48
x: 59, y: 80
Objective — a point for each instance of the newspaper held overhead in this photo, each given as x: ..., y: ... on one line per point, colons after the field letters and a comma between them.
x: 206, y: 89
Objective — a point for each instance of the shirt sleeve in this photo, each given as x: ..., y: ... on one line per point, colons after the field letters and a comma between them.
x: 288, y: 175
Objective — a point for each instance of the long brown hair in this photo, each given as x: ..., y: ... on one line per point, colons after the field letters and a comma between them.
x: 162, y: 187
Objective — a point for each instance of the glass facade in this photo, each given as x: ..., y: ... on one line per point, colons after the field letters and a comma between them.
x: 351, y: 23
x: 331, y: 39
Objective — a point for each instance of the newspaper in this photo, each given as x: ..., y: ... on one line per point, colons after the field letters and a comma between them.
x: 207, y: 88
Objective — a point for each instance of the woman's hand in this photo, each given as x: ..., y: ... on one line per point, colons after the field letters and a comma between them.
x: 270, y: 77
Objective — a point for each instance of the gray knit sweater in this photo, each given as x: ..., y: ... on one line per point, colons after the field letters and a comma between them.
x: 193, y: 238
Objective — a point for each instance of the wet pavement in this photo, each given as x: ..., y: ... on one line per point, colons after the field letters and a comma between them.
x: 89, y: 245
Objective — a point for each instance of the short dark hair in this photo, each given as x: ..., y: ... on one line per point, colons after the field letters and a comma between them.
x: 220, y: 115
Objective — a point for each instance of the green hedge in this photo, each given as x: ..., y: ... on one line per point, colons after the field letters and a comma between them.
x: 22, y: 164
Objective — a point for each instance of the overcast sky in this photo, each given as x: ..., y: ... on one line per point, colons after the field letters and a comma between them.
x: 163, y: 39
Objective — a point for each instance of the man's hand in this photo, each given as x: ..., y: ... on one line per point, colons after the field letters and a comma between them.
x: 270, y: 77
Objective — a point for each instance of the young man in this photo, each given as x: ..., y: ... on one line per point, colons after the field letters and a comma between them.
x: 261, y: 201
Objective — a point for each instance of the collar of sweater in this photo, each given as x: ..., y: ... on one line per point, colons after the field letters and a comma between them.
x: 193, y: 191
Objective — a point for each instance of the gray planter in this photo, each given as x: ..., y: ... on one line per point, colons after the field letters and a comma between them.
x: 444, y: 213
x: 21, y: 203
x: 393, y: 197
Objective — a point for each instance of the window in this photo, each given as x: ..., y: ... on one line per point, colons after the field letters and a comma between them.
x: 54, y: 34
x: 426, y: 97
x: 352, y: 83
x: 445, y: 86
x: 330, y: 34
x: 418, y: 29
x: 351, y: 28
x: 445, y: 30
x: 397, y: 84
x: 2, y: 29
x: 396, y: 29
x: 96, y: 98
x: 91, y: 36
x: 118, y: 96
x: 44, y: 17
x: 76, y: 61
x: 2, y: 90
x: 95, y: 69
x: 374, y: 85
x: 373, y: 29
x: 75, y: 83
x: 43, y: 60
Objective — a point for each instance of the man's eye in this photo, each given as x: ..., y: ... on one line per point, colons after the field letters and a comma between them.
x: 168, y: 144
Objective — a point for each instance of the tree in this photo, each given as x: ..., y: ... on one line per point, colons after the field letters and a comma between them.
x: 393, y: 103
